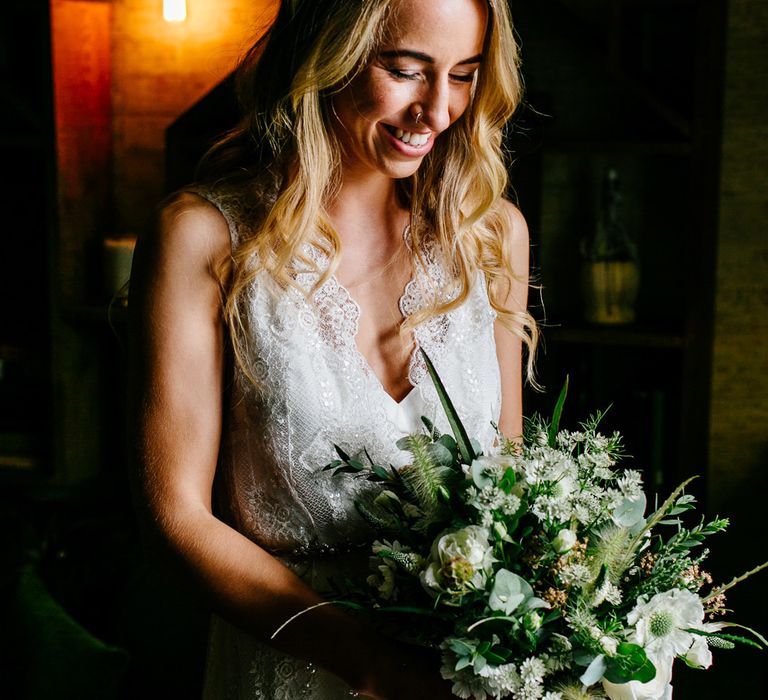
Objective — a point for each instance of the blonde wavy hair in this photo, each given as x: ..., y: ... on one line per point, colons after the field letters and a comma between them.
x: 285, y: 151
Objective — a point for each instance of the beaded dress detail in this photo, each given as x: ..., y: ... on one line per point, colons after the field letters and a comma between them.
x: 315, y: 389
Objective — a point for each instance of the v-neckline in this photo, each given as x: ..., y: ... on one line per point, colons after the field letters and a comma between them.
x: 341, y: 336
x: 362, y: 359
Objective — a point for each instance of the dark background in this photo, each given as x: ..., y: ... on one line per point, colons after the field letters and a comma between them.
x: 671, y: 93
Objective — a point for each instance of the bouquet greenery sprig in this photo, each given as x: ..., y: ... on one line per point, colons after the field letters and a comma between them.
x: 534, y: 566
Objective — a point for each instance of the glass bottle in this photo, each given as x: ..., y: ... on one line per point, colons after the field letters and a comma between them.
x: 610, y: 274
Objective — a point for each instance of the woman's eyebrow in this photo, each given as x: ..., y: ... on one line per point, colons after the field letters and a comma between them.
x: 426, y: 58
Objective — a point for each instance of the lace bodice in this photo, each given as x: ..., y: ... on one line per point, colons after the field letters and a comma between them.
x: 315, y: 389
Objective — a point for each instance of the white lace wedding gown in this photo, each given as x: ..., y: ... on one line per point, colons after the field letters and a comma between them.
x: 316, y: 389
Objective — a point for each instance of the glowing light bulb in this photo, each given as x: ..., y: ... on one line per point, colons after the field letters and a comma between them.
x: 174, y: 10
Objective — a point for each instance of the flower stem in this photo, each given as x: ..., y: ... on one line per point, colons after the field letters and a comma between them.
x: 721, y: 589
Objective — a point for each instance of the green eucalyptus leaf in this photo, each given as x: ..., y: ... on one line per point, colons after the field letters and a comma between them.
x: 404, y: 443
x: 595, y: 671
x: 448, y: 442
x: 463, y: 662
x: 477, y: 469
x: 509, y: 592
x: 441, y: 454
x: 460, y: 648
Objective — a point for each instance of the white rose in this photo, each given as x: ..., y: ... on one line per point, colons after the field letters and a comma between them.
x: 430, y: 578
x: 470, y: 543
x: 660, y: 688
x: 459, y: 560
x: 564, y: 541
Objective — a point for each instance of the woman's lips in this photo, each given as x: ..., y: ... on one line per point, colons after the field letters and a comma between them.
x: 407, y: 149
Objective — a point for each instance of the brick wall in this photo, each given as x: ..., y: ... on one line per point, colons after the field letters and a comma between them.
x: 738, y: 453
x: 739, y: 414
x: 161, y: 69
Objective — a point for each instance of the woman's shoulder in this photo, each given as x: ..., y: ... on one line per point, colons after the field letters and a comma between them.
x: 177, y: 263
x: 513, y: 221
x: 513, y: 234
x: 189, y: 224
x: 242, y: 203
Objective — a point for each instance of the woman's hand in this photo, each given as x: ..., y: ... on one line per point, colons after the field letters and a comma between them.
x: 406, y: 672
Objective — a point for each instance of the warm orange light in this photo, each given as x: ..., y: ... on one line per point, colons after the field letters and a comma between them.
x: 174, y: 10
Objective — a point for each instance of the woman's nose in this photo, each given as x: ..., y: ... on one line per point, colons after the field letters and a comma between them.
x: 435, y: 104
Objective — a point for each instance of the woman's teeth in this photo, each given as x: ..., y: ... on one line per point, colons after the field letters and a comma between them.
x: 410, y: 137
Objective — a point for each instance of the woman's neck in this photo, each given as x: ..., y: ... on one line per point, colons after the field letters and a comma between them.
x: 367, y: 215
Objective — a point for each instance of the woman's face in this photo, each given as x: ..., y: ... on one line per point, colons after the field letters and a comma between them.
x: 426, y: 64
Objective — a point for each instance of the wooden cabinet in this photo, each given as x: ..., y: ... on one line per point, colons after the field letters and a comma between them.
x: 635, y: 85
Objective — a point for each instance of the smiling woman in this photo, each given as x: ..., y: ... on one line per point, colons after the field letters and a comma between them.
x: 375, y: 114
x: 355, y: 215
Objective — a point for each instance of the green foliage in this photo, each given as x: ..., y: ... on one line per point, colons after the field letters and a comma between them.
x: 462, y: 439
x: 428, y: 478
x: 630, y: 663
x: 557, y: 413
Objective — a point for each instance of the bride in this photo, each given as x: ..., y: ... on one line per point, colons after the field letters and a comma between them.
x: 355, y: 215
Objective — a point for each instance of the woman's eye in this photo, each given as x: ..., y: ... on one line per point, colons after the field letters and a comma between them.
x: 463, y: 78
x: 403, y: 74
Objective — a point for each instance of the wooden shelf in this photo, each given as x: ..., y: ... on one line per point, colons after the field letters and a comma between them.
x: 17, y: 451
x: 19, y: 462
x: 13, y: 353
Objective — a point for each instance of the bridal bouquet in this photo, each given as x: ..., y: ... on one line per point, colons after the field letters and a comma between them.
x: 535, y: 568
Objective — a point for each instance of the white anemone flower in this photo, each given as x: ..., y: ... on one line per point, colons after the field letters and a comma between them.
x: 660, y: 624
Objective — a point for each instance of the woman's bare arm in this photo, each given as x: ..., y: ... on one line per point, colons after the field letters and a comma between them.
x: 178, y: 382
x: 508, y: 345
